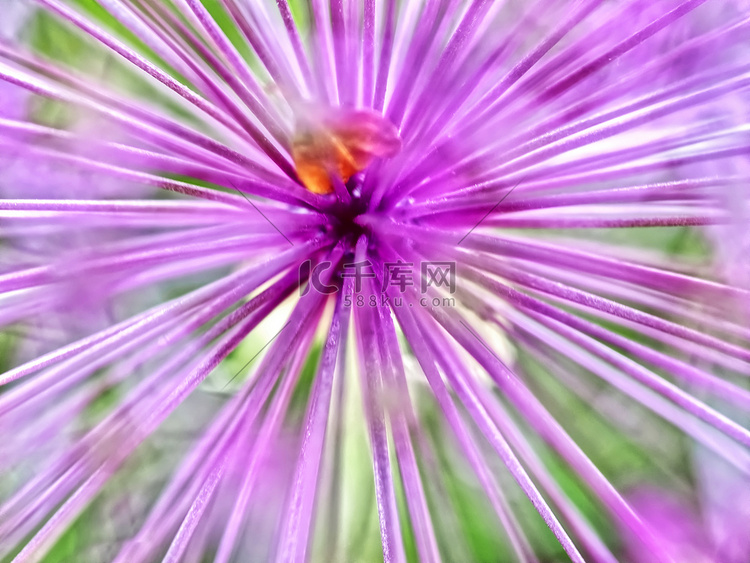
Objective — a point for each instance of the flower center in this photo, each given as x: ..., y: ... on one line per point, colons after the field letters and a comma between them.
x: 343, y: 216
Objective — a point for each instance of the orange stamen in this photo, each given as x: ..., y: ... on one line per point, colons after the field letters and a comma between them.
x: 341, y: 143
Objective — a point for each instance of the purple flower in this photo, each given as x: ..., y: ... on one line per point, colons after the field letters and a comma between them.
x: 272, y: 269
x: 710, y: 528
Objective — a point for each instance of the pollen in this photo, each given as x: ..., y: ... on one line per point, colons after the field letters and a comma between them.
x: 340, y: 143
